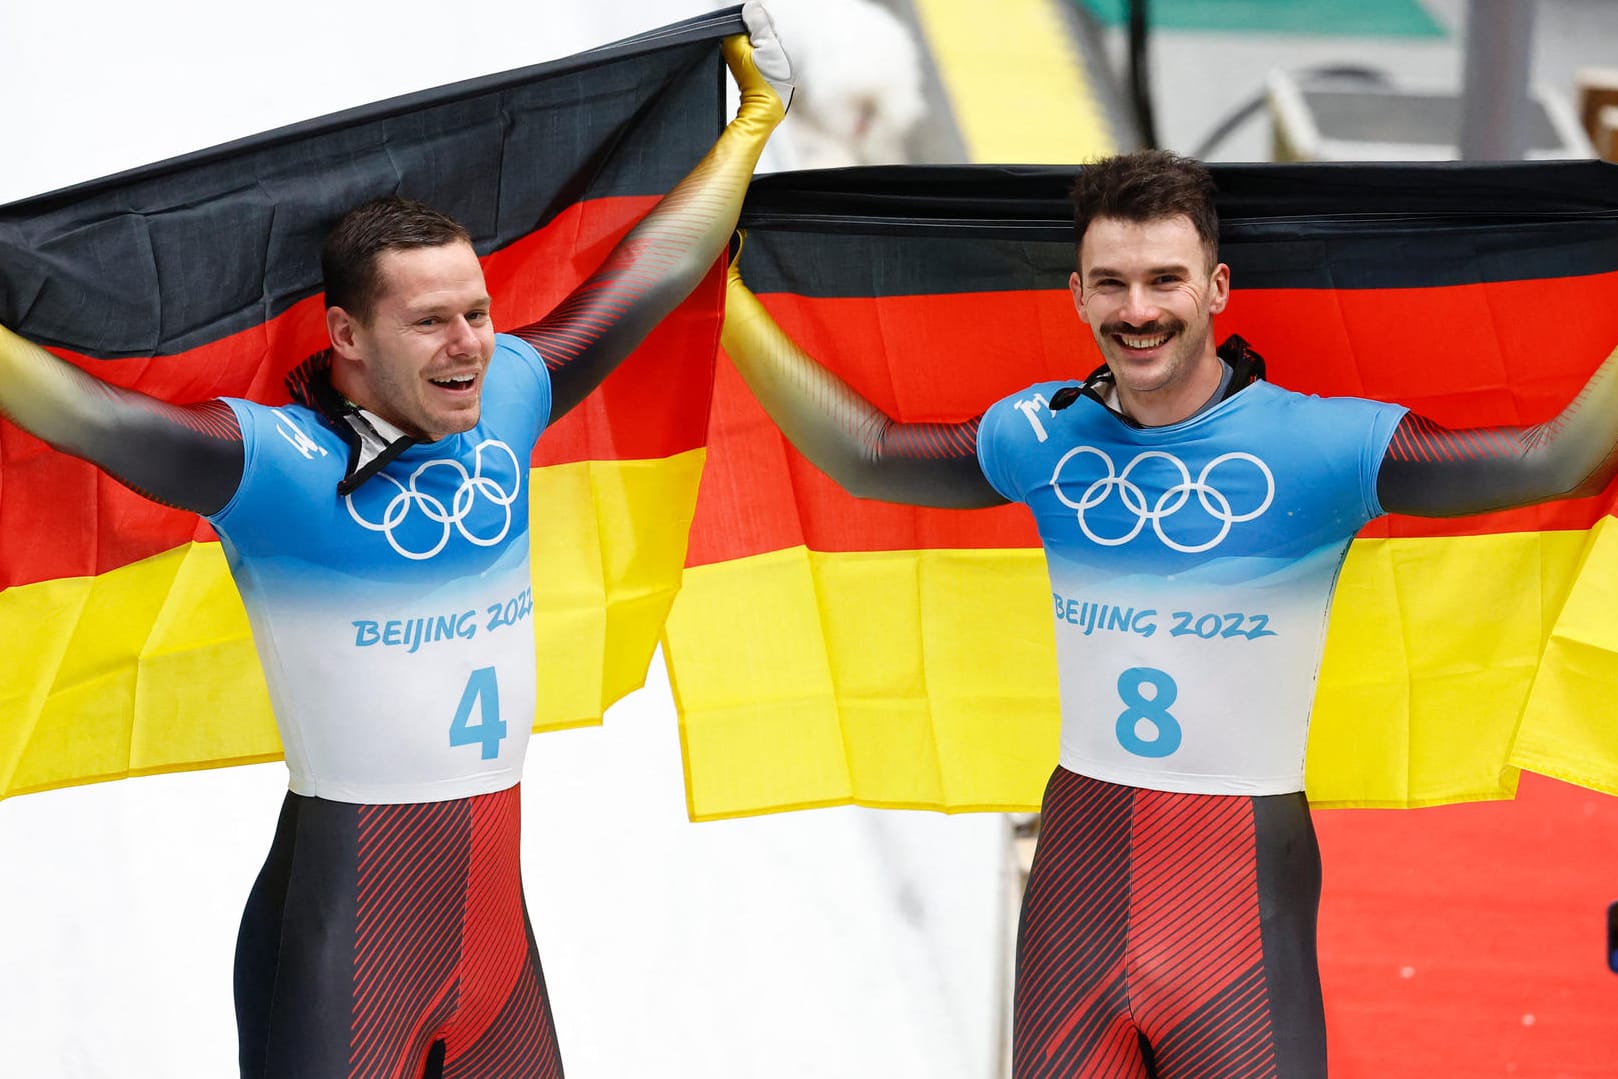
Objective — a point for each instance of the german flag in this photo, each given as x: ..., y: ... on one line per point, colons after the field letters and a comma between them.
x: 127, y: 649
x: 826, y: 650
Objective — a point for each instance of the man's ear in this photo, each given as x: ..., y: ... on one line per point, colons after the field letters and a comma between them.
x: 341, y: 328
x: 1219, y: 295
x: 1075, y: 285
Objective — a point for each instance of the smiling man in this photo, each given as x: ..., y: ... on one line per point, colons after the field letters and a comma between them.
x: 1168, y: 927
x: 377, y: 528
x: 1149, y: 291
x: 410, y: 327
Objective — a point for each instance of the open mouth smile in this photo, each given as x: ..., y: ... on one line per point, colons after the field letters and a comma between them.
x: 1142, y: 342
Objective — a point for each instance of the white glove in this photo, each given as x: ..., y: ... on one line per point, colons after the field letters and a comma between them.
x: 768, y: 54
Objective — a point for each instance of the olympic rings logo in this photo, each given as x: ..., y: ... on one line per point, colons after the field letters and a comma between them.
x: 453, y: 514
x: 1174, y: 497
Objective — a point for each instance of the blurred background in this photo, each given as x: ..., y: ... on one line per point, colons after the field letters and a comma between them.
x: 1223, y: 80
x: 1462, y: 941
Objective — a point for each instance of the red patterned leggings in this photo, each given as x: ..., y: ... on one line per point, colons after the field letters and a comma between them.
x: 1169, y: 936
x: 392, y: 942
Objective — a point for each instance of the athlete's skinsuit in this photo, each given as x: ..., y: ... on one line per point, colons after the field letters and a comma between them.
x: 1182, y: 560
x: 411, y: 593
x: 1168, y: 925
x: 1191, y: 567
x: 387, y: 583
x: 412, y: 590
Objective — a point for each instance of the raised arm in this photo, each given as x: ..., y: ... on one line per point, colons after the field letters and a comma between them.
x: 187, y: 456
x: 1434, y: 471
x: 667, y: 254
x: 867, y: 452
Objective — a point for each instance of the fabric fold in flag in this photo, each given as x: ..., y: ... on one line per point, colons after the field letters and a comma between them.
x: 827, y: 650
x: 200, y: 277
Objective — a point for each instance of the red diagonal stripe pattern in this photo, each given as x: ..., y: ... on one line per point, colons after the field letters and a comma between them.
x: 1196, y: 972
x: 510, y: 1046
x: 443, y: 950
x: 933, y: 440
x: 503, y: 1026
x: 1071, y: 1006
x: 1141, y: 938
x: 1229, y: 1037
x: 413, y: 862
x: 1421, y: 439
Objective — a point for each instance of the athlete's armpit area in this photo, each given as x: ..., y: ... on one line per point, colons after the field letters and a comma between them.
x: 1430, y: 470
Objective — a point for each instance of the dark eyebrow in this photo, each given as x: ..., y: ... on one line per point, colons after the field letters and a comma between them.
x: 416, y: 311
x: 1155, y: 271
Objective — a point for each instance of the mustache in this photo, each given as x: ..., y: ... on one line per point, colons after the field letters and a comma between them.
x: 1169, y: 324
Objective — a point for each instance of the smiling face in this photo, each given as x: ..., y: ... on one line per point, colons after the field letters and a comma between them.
x: 418, y: 358
x: 1148, y: 294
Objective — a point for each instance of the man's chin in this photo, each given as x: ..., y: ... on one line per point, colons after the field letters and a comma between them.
x: 457, y: 423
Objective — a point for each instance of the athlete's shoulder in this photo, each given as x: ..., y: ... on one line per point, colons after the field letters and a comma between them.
x: 292, y: 426
x: 1296, y: 404
x: 1344, y: 437
x: 1041, y: 390
x: 290, y: 456
x: 518, y: 379
x: 1041, y: 397
x: 515, y: 347
x: 1032, y: 415
x: 1016, y: 434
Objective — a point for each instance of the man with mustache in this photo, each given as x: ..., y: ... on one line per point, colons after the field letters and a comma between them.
x: 377, y: 528
x: 1168, y: 927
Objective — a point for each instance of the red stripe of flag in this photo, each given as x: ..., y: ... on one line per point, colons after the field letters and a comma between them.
x: 1449, y: 353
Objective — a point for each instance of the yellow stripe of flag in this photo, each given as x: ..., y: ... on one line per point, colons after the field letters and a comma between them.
x: 1578, y: 676
x: 858, y: 644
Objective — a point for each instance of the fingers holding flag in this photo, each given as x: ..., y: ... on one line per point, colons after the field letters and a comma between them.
x: 760, y: 64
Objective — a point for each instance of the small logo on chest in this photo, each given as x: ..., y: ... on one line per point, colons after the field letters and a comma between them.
x: 296, y: 436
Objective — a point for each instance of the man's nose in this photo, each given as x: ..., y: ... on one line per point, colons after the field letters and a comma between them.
x: 463, y: 338
x: 1140, y: 307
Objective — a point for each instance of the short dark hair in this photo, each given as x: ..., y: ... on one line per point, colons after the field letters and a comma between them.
x: 1147, y: 185
x: 349, y: 258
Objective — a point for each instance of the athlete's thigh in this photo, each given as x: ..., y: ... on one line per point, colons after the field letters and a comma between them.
x: 385, y: 940
x: 365, y: 946
x: 295, y: 957
x: 258, y: 943
x: 1071, y: 1012
x: 1224, y: 975
x: 1289, y: 906
x: 503, y: 1028
x: 520, y: 1041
